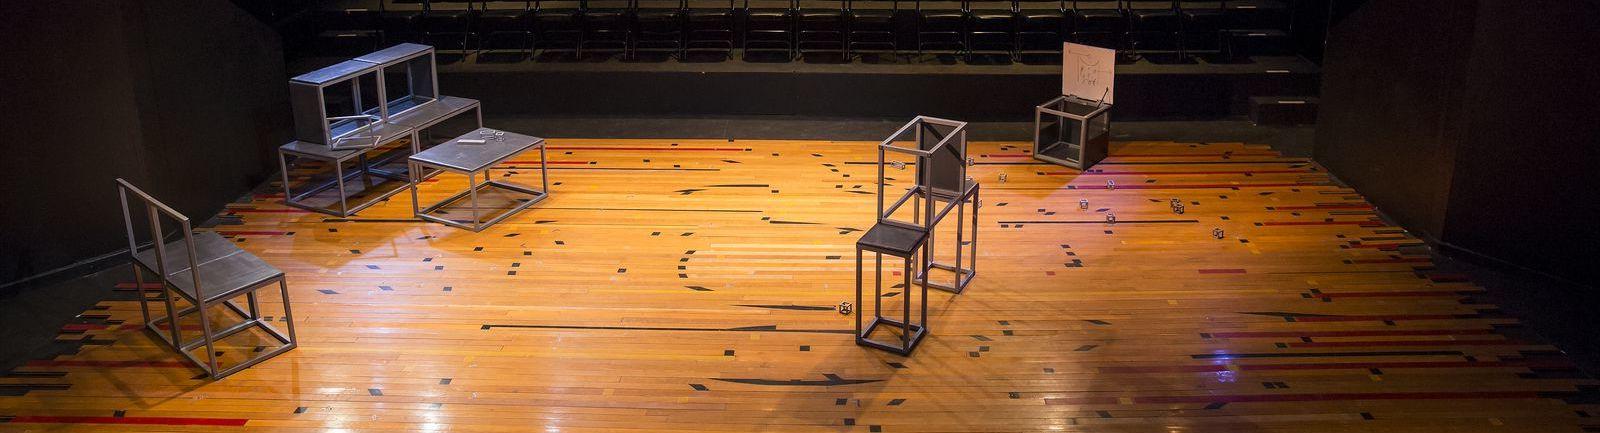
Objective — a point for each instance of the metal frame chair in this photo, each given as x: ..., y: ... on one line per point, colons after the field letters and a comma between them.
x: 441, y: 27
x: 1154, y: 27
x: 1098, y: 23
x: 346, y: 30
x: 710, y: 28
x: 991, y: 27
x: 1202, y: 25
x: 210, y: 271
x: 871, y: 25
x: 941, y: 167
x: 941, y: 24
x: 557, y: 25
x: 658, y: 26
x: 607, y: 23
x: 820, y: 27
x: 768, y: 28
x: 497, y: 24
x: 1256, y: 27
x: 1041, y: 29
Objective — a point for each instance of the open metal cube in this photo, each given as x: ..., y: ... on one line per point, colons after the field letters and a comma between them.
x: 1072, y: 132
x: 335, y: 103
x: 406, y: 75
x: 936, y: 152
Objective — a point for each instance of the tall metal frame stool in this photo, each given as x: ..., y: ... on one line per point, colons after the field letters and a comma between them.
x: 939, y: 149
x: 206, y: 270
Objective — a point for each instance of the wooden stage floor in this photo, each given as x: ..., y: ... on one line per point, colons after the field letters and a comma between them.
x: 691, y: 285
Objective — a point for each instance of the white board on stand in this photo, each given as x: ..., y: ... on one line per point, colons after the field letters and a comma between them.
x: 1088, y: 72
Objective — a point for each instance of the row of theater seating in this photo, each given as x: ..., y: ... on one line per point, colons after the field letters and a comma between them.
x: 1013, y: 28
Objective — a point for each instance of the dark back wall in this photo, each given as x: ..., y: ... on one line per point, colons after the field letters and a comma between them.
x: 1525, y: 179
x: 184, y: 99
x: 1471, y: 122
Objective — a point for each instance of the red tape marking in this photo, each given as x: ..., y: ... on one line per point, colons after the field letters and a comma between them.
x: 1399, y: 343
x: 731, y: 149
x: 548, y: 162
x: 223, y: 422
x: 1160, y: 173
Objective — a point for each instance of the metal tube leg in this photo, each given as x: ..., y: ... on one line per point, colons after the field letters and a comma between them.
x: 414, y: 173
x: 877, y: 285
x: 924, y: 262
x: 144, y: 302
x: 205, y: 333
x: 905, y: 315
x: 977, y: 201
x: 283, y: 165
x: 338, y: 177
x: 472, y: 185
x: 858, y: 293
x: 172, y: 316
x: 255, y: 309
x: 916, y: 209
x: 960, y: 219
x: 287, y: 315
x: 544, y: 177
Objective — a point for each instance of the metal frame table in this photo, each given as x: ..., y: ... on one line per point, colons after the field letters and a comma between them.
x: 338, y: 158
x: 471, y: 159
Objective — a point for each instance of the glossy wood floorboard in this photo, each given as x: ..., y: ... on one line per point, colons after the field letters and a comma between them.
x: 691, y: 285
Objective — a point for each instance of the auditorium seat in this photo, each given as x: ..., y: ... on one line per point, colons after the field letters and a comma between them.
x: 1153, y: 27
x: 820, y: 27
x: 769, y: 27
x: 607, y: 26
x: 991, y: 27
x: 658, y: 26
x: 1098, y: 23
x: 711, y: 26
x: 940, y: 27
x: 557, y: 25
x: 446, y: 25
x: 348, y: 32
x: 505, y: 25
x: 1202, y: 26
x: 399, y: 25
x: 874, y: 26
x: 1256, y: 27
x: 1041, y: 27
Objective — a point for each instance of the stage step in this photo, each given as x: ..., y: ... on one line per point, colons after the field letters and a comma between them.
x: 1283, y: 110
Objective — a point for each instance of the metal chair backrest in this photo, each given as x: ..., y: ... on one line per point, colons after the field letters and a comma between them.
x: 154, y: 209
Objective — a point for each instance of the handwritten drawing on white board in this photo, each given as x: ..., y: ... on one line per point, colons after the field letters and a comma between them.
x: 1088, y: 72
